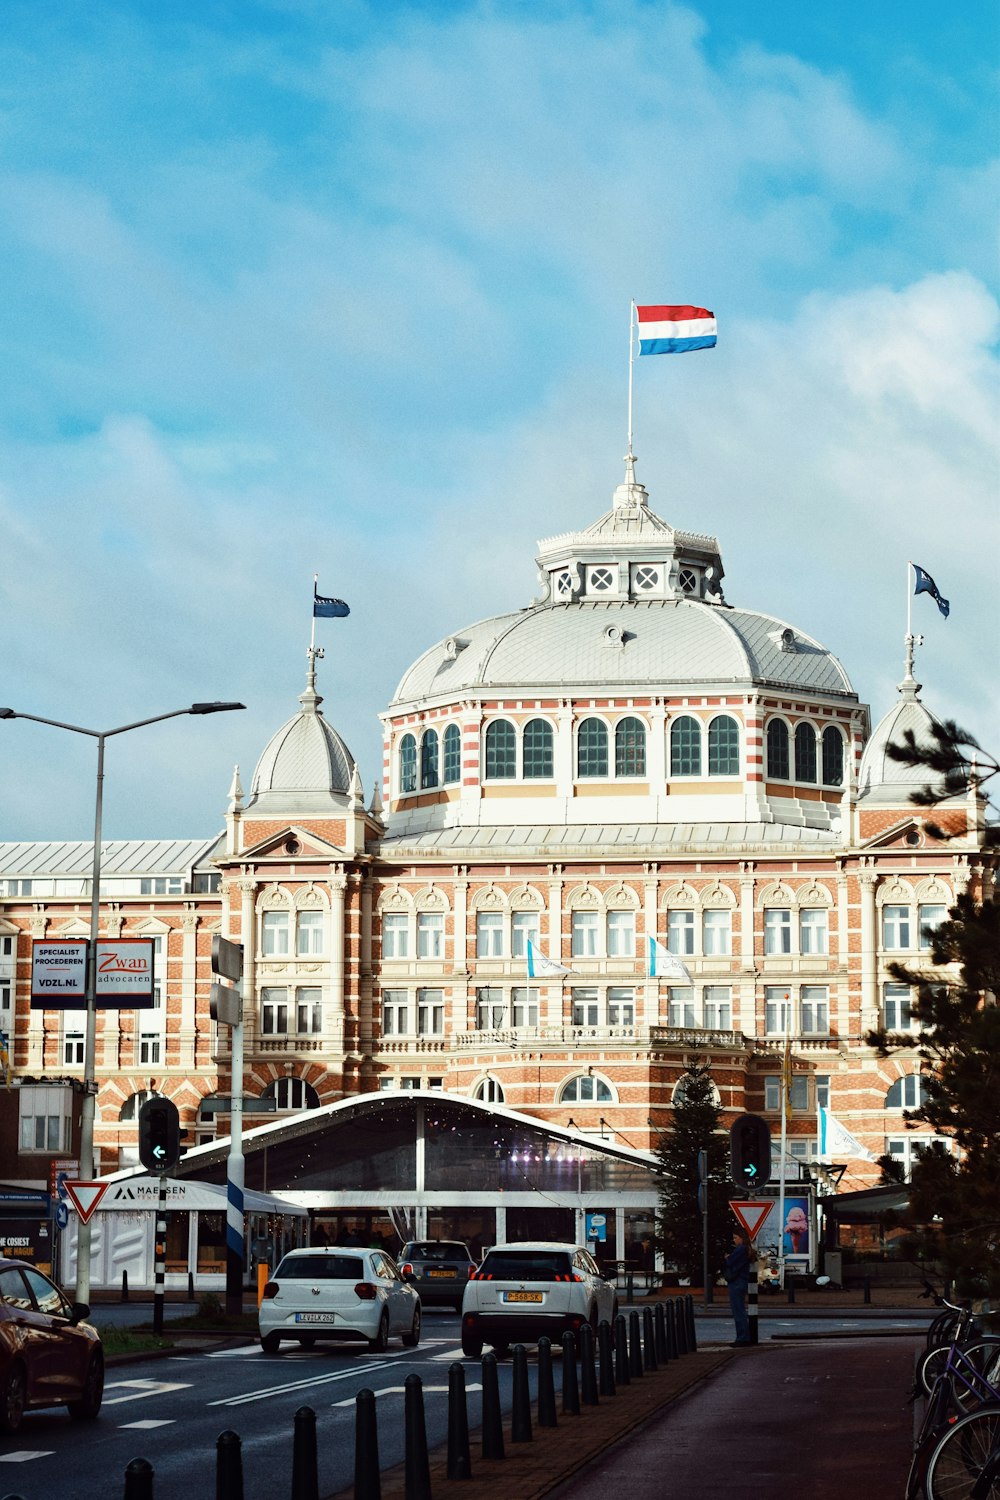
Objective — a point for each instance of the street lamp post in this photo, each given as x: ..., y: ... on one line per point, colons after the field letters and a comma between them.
x: 90, y: 1038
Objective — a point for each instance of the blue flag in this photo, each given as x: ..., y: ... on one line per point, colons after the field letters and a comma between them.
x: 328, y: 609
x: 926, y: 585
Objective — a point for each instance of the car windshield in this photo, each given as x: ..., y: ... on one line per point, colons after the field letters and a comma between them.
x: 320, y: 1268
x: 438, y: 1250
x: 525, y: 1265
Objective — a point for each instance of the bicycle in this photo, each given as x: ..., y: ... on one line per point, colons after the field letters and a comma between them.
x: 969, y: 1348
x: 960, y: 1386
x: 941, y: 1329
x: 965, y: 1463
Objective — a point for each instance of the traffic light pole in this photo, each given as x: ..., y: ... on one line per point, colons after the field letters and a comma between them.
x: 234, y: 1178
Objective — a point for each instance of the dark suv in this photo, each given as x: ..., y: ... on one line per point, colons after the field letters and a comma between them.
x: 438, y: 1269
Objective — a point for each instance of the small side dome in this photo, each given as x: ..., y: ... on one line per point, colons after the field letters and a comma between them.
x: 306, y: 766
x: 883, y: 779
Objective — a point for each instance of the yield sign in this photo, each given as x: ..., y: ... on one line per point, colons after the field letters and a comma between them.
x: 751, y: 1212
x: 85, y: 1196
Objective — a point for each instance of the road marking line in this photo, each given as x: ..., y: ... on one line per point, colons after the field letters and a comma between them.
x: 143, y: 1388
x: 455, y: 1352
x: 400, y: 1390
x: 148, y: 1423
x: 292, y: 1385
x: 23, y: 1455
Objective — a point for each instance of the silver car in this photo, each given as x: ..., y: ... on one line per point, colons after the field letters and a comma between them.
x: 522, y: 1291
x: 338, y: 1294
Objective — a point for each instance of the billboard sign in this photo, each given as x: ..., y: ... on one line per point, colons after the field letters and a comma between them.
x: 125, y: 973
x: 59, y: 974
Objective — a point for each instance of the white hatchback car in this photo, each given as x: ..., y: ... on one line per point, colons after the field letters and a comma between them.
x: 338, y: 1294
x: 524, y: 1290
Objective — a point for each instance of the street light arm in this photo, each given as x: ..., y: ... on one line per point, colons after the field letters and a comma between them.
x: 98, y: 734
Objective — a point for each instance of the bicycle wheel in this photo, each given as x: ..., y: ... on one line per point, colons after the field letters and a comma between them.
x: 942, y: 1328
x: 957, y: 1465
x: 984, y: 1355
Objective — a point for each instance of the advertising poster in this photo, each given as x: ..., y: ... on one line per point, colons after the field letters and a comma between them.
x: 796, y: 1231
x: 125, y: 973
x: 59, y: 974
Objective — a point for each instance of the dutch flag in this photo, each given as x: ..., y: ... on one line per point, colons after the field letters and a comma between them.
x: 675, y: 330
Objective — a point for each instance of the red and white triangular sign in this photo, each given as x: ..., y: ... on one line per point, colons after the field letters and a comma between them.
x: 751, y: 1212
x: 85, y: 1196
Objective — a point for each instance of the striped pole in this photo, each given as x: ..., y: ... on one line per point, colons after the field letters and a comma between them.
x: 752, y: 1301
x: 235, y: 1178
x: 160, y: 1255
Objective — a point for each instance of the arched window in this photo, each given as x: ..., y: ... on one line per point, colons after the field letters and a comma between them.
x: 805, y: 753
x: 452, y: 755
x: 592, y: 748
x: 407, y: 764
x: 489, y: 1091
x: 291, y: 1093
x: 501, y: 751
x: 132, y: 1105
x: 685, y: 747
x: 833, y: 757
x: 778, y: 764
x: 908, y: 1092
x: 630, y: 748
x: 586, y: 1089
x: 536, y: 753
x: 723, y: 747
x: 429, y: 759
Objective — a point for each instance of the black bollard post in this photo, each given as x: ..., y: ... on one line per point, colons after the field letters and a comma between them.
x: 648, y: 1349
x: 660, y: 1333
x: 634, y: 1346
x: 629, y: 1288
x: 588, y: 1369
x: 570, y: 1389
x: 305, y: 1466
x: 190, y: 1286
x: 606, y: 1347
x: 868, y: 1290
x: 692, y: 1334
x: 546, y: 1385
x: 367, y: 1473
x: 125, y: 1286
x: 622, y: 1375
x: 416, y: 1464
x: 459, y: 1456
x: 492, y: 1419
x: 228, y: 1466
x: 520, y: 1416
x: 138, y: 1481
x: 680, y: 1327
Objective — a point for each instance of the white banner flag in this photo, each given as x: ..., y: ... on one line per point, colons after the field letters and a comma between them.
x: 539, y: 966
x: 836, y: 1140
x: 666, y: 965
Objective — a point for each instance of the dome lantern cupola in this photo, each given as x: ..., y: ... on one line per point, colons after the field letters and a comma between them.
x: 306, y: 768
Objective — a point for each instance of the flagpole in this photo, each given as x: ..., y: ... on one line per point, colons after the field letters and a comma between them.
x: 312, y: 635
x: 631, y: 360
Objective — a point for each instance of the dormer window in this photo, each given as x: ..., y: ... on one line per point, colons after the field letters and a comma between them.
x: 564, y: 585
x: 688, y: 581
x: 601, y: 579
x: 647, y: 578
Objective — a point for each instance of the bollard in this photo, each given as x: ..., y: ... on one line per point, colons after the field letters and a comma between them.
x: 868, y: 1290
x: 692, y: 1334
x: 660, y: 1333
x: 138, y: 1481
x: 570, y: 1389
x: 228, y: 1467
x: 546, y: 1385
x: 305, y: 1467
x: 367, y: 1473
x: 190, y: 1286
x: 606, y: 1348
x: 680, y: 1327
x: 629, y: 1287
x: 459, y: 1456
x: 648, y: 1351
x: 124, y: 1286
x: 417, y: 1469
x: 492, y: 1419
x: 588, y: 1370
x: 520, y: 1416
x: 622, y: 1375
x: 634, y: 1346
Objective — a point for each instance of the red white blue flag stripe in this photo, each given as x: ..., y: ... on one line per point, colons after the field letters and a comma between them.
x: 675, y: 330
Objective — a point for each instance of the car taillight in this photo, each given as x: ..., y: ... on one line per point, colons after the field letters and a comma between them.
x: 472, y: 1273
x: 576, y: 1323
x: 574, y: 1277
x: 270, y: 1289
x: 366, y: 1291
x: 406, y: 1269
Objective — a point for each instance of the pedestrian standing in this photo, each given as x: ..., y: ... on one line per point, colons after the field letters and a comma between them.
x: 737, y: 1273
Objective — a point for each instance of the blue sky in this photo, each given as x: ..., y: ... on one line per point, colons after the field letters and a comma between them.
x: 299, y: 287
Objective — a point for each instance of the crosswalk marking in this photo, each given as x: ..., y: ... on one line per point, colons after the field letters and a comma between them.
x: 24, y: 1455
x: 148, y: 1423
x: 400, y: 1390
x: 141, y: 1388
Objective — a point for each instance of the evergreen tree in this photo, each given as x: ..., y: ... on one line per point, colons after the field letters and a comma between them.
x: 694, y: 1127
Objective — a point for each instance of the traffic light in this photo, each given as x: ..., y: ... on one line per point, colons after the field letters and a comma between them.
x: 750, y: 1151
x: 225, y: 1004
x: 159, y: 1134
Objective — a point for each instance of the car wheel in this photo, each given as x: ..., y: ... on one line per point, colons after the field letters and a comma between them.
x: 380, y: 1343
x: 412, y: 1339
x: 12, y: 1399
x: 501, y: 1350
x: 92, y: 1394
x: 472, y: 1344
x: 270, y: 1342
x: 307, y: 1340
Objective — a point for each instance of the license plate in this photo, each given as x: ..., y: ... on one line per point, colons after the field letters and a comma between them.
x: 315, y: 1317
x: 523, y: 1297
x: 442, y: 1272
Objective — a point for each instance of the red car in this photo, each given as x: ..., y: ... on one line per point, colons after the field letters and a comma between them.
x: 48, y: 1355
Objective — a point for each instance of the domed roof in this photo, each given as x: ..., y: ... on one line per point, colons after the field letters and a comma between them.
x: 305, y: 767
x: 882, y: 778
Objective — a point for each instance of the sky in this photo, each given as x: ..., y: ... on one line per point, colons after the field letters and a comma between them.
x: 318, y: 286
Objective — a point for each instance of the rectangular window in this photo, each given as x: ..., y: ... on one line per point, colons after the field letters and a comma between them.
x: 585, y: 1007
x: 6, y: 1007
x: 680, y: 931
x: 395, y: 1013
x: 813, y: 936
x: 772, y: 1093
x: 799, y: 1095
x: 896, y: 1007
x: 273, y: 1012
x: 308, y: 1011
x: 490, y: 1009
x: 524, y: 928
x: 395, y: 935
x: 815, y: 1010
x: 489, y: 934
x: 718, y: 1007
x: 799, y: 1092
x: 274, y: 934
x: 46, y: 1119
x: 821, y: 1083
x: 161, y: 885
x: 681, y: 1006
x: 930, y: 918
x: 895, y: 928
x: 73, y: 1049
x: 430, y: 1012
x: 621, y: 1007
x: 716, y: 933
x: 16, y: 887
x: 621, y: 934
x: 777, y: 930
x: 777, y: 1010
x: 524, y: 1007
x: 430, y: 934
x: 309, y: 933
x: 149, y: 1046
x: 585, y: 927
